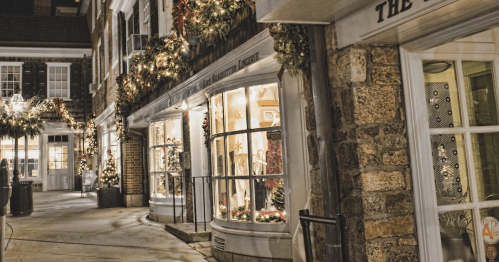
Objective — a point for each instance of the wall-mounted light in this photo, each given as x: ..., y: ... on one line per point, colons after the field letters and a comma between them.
x: 184, y: 106
x: 436, y: 67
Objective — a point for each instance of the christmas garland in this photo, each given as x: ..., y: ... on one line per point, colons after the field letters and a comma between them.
x: 91, y: 136
x: 166, y: 57
x: 292, y: 47
x: 83, y: 165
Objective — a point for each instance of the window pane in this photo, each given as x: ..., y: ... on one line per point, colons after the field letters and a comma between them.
x: 218, y: 156
x: 235, y: 110
x: 486, y: 159
x: 441, y: 94
x: 267, y: 153
x: 64, y: 70
x: 152, y: 188
x: 237, y: 150
x: 449, y: 167
x: 52, y: 70
x: 221, y: 199
x: 173, y: 131
x: 216, y: 109
x: 173, y: 158
x: 175, y: 184
x: 240, y: 202
x: 264, y: 106
x: 159, y: 158
x: 160, y: 186
x: 269, y: 200
x: 480, y: 94
x: 457, y: 236
x: 159, y: 135
x: 489, y: 229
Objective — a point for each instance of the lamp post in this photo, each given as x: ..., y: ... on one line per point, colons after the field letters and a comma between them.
x: 21, y: 201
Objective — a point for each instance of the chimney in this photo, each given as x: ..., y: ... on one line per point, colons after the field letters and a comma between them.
x: 41, y: 7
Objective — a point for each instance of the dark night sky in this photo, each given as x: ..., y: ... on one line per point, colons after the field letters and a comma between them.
x: 26, y: 6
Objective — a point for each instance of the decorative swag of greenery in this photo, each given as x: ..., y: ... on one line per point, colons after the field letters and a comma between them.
x: 197, y: 21
x: 28, y: 122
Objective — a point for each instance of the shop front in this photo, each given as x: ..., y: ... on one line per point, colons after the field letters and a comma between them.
x: 246, y: 165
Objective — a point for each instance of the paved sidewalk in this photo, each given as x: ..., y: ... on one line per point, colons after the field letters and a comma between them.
x: 66, y: 227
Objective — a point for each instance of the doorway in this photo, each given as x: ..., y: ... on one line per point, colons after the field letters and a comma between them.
x: 58, y: 170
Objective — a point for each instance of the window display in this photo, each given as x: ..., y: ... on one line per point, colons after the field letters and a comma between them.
x: 246, y: 146
x: 165, y: 147
x: 28, y: 155
x: 463, y: 121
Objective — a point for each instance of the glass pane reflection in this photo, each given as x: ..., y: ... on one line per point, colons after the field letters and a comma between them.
x: 457, y: 236
x: 486, y: 159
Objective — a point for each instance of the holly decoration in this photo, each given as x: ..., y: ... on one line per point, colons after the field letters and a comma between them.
x: 206, y: 132
x: 83, y: 165
x: 278, y: 197
x: 109, y: 176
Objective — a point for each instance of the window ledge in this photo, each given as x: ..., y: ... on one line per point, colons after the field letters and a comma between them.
x: 64, y: 99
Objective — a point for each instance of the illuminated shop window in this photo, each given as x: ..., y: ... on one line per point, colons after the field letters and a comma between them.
x: 29, y: 154
x: 246, y: 150
x: 165, y: 148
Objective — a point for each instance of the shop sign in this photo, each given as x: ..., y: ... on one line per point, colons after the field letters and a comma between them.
x: 381, y: 16
x: 240, y: 64
x: 490, y: 230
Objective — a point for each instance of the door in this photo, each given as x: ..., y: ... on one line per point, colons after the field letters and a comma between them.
x: 58, y: 171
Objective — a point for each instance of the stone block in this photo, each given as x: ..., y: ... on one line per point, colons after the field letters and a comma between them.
x: 310, y: 117
x: 348, y: 156
x: 396, y: 158
x: 316, y: 205
x: 382, y: 181
x: 357, y: 65
x: 374, y: 104
x: 346, y: 184
x: 385, y: 55
x: 347, y: 108
x: 340, y: 135
x: 401, y: 254
x: 367, y: 155
x: 357, y: 252
x: 392, y: 227
x: 386, y: 75
x: 399, y: 203
x: 313, y: 153
x: 352, y: 205
x: 392, y: 142
x: 394, y: 129
x: 374, y: 252
x: 367, y: 133
x: 409, y: 241
x: 336, y: 115
x: 372, y: 203
x: 316, y: 181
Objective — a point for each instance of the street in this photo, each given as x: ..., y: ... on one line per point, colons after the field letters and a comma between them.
x: 66, y: 227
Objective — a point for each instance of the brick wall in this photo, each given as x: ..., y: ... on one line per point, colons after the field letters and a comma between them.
x: 371, y: 152
x: 41, y: 7
x: 132, y: 166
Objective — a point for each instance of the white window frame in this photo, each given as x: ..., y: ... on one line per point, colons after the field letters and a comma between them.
x: 105, y: 139
x: 106, y: 52
x: 146, y: 18
x: 98, y: 7
x: 250, y: 225
x: 68, y: 80
x: 93, y: 15
x: 98, y: 68
x: 114, y: 28
x: 419, y: 133
x: 20, y: 64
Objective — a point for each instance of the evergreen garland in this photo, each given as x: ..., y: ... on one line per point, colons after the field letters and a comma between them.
x: 292, y: 47
x: 109, y: 176
x: 91, y: 136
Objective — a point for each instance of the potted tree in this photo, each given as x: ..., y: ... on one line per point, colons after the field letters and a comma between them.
x: 108, y: 194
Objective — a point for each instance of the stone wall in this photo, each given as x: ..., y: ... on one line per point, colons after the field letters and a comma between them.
x: 42, y: 7
x: 371, y: 151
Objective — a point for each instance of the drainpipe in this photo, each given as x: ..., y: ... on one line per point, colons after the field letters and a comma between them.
x: 322, y: 103
x: 145, y: 183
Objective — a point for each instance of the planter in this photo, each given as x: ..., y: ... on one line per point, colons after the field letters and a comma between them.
x: 108, y: 197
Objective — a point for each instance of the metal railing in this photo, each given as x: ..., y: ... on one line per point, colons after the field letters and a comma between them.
x: 205, y: 181
x: 306, y: 219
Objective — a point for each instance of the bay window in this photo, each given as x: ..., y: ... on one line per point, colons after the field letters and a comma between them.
x: 247, y: 155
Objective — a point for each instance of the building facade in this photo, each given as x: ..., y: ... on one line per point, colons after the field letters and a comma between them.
x: 42, y: 56
x: 395, y: 127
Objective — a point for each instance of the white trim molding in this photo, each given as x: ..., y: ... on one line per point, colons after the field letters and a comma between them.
x: 44, y: 52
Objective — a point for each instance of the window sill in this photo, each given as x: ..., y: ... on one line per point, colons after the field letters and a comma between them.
x: 63, y: 98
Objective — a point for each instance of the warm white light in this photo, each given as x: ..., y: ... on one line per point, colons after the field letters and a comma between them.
x: 241, y: 101
x: 184, y: 105
x: 17, y: 103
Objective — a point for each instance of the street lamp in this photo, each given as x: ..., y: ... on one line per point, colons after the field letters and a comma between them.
x: 18, y: 104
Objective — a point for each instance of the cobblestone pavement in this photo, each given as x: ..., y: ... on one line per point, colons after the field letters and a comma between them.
x: 66, y: 227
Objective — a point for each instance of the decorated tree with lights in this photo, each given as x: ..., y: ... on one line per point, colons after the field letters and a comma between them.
x: 109, y: 176
x: 278, y: 197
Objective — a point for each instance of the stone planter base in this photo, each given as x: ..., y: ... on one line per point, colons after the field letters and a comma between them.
x: 108, y: 197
